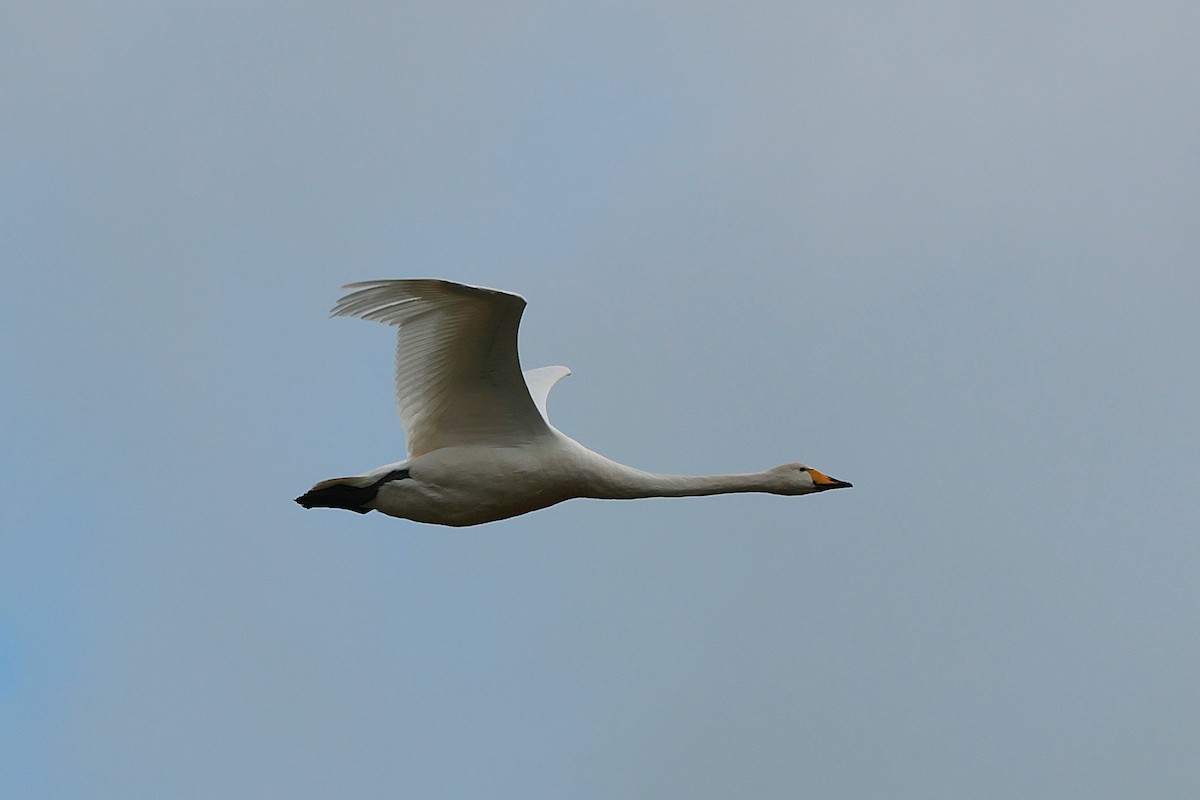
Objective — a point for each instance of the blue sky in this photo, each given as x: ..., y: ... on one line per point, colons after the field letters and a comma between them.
x: 947, y: 253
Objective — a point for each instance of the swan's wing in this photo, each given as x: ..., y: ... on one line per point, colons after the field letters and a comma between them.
x: 458, y: 378
x: 540, y: 381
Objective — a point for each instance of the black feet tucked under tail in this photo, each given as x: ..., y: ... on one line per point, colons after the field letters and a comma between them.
x: 337, y: 493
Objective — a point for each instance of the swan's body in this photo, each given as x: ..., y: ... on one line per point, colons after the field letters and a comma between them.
x: 480, y: 442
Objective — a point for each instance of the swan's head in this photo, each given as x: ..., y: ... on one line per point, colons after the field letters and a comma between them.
x: 803, y: 479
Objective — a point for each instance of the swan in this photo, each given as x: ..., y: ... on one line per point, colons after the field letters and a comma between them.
x: 481, y: 446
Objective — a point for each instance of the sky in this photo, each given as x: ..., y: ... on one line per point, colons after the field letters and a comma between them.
x: 948, y: 252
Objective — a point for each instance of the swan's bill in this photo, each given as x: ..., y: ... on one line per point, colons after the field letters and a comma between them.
x: 824, y: 482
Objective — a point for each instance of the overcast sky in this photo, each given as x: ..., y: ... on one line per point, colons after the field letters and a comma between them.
x: 949, y: 252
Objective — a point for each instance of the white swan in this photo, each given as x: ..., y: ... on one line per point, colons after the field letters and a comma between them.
x: 481, y: 447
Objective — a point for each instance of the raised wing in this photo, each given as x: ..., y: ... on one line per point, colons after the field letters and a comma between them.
x: 540, y: 381
x: 458, y: 378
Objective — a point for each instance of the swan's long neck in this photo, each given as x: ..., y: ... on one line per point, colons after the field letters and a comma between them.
x: 626, y: 483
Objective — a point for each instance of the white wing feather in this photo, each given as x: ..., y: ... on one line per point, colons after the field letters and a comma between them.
x: 458, y: 377
x: 540, y: 381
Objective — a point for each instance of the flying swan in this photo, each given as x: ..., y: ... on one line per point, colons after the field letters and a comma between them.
x: 481, y: 446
